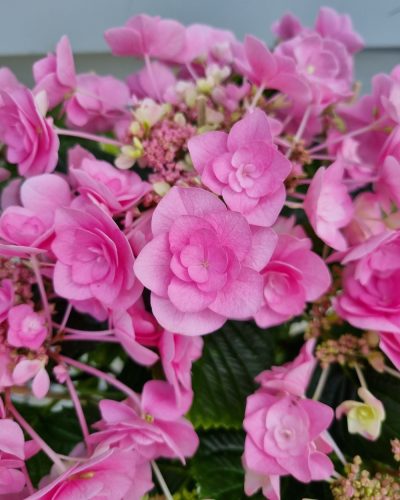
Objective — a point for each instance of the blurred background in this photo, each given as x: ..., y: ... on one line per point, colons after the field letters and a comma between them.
x: 31, y: 28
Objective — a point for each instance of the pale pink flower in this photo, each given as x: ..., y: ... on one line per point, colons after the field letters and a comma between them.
x: 94, y: 259
x: 35, y: 370
x: 158, y: 431
x: 7, y: 296
x: 208, y: 44
x: 117, y: 474
x: 202, y: 265
x: 98, y: 103
x: 282, y: 436
x: 390, y: 345
x: 328, y: 205
x: 12, y: 456
x: 292, y: 377
x: 269, y: 484
x: 371, y: 284
x: 331, y: 24
x: 55, y: 73
x: 388, y: 184
x: 8, y: 81
x: 26, y: 328
x: 177, y: 353
x: 244, y: 167
x: 294, y: 275
x: 30, y: 138
x: 145, y: 35
x: 141, y: 83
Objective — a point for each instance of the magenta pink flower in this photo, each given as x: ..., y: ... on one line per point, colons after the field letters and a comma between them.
x: 115, y: 473
x: 294, y: 275
x: 292, y: 377
x: 32, y: 370
x: 282, y: 436
x: 6, y: 298
x: 55, y: 73
x: 12, y: 456
x: 390, y: 345
x: 94, y: 259
x: 388, y: 184
x: 202, y: 265
x: 26, y: 327
x: 331, y: 24
x: 115, y: 189
x: 159, y: 431
x: 371, y: 281
x: 245, y: 167
x: 271, y: 70
x: 8, y: 81
x: 177, y: 353
x: 30, y: 138
x: 328, y: 205
x: 97, y: 104
x: 145, y: 35
x: 287, y: 27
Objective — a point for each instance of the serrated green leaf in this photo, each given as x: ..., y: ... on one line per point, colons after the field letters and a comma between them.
x: 224, y: 376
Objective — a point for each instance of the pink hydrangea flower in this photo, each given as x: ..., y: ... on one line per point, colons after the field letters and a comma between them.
x: 145, y: 35
x: 208, y: 44
x: 6, y: 298
x: 159, y: 431
x: 26, y: 328
x: 283, y: 434
x: 32, y: 223
x: 30, y: 138
x: 55, y: 73
x: 98, y: 103
x: 245, y: 167
x: 294, y: 275
x: 331, y: 24
x: 8, y: 81
x: 272, y: 71
x: 12, y: 456
x: 287, y: 27
x: 115, y: 189
x: 141, y: 83
x: 388, y: 183
x: 34, y: 370
x: 94, y: 259
x: 390, y: 345
x: 371, y: 298
x: 202, y: 265
x: 292, y: 377
x: 328, y: 205
x: 113, y: 473
x: 177, y: 353
x: 269, y: 484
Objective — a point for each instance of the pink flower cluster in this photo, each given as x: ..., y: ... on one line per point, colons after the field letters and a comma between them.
x: 186, y: 199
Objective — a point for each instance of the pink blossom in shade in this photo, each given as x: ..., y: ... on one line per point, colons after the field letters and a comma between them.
x: 229, y: 95
x: 388, y: 183
x: 55, y: 73
x: 6, y: 367
x: 287, y: 27
x: 271, y: 70
x: 282, y: 434
x: 125, y: 333
x: 202, y: 265
x: 117, y: 474
x: 390, y: 345
x: 292, y: 377
x: 32, y: 223
x: 244, y: 167
x: 147, y: 330
x: 208, y: 44
x: 370, y: 297
x: 323, y: 63
x: 141, y: 83
x: 94, y: 259
x: 287, y: 225
x: 331, y: 24
x: 144, y: 35
x: 102, y: 182
x: 7, y: 296
x: 328, y: 205
x: 10, y: 194
x: 92, y: 307
x: 98, y: 103
x: 32, y: 370
x: 177, y: 353
x: 140, y: 231
x: 294, y: 275
x: 12, y: 456
x: 26, y: 328
x: 159, y: 431
x: 270, y: 485
x: 30, y: 138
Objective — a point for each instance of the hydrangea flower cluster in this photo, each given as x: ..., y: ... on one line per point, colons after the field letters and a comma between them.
x: 219, y: 182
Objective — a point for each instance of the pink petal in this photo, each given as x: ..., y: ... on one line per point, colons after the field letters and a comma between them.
x: 204, y: 148
x: 253, y: 127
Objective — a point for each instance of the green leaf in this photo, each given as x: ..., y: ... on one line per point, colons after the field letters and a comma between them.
x: 224, y: 376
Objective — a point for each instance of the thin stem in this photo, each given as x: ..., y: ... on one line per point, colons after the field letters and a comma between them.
x: 102, y: 375
x: 360, y: 375
x: 95, y: 338
x: 293, y: 204
x: 89, y: 137
x: 192, y: 71
x: 392, y: 372
x: 152, y: 77
x: 84, y: 332
x: 299, y: 196
x: 335, y: 448
x: 321, y: 383
x: 64, y: 321
x: 29, y: 484
x: 161, y: 481
x: 78, y: 408
x: 42, y: 290
x: 34, y: 435
x: 256, y: 97
x: 300, y: 131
